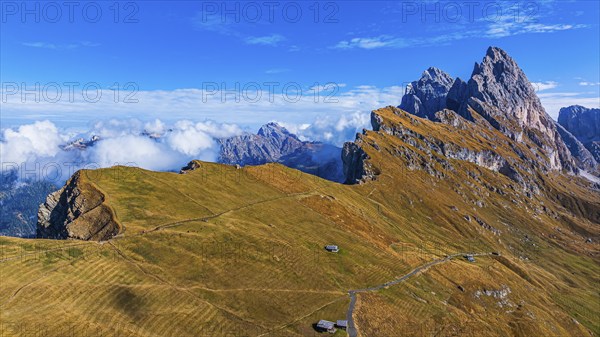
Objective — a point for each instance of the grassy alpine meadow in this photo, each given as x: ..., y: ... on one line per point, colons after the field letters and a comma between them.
x: 221, y: 250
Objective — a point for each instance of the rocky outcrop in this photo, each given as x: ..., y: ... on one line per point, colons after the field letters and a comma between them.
x: 191, y: 166
x: 76, y: 211
x: 426, y: 96
x: 356, y: 167
x: 584, y: 124
x: 450, y: 117
x: 274, y: 144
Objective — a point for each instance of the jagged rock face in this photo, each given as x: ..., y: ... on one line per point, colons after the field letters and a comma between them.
x: 275, y: 144
x: 76, y: 212
x: 584, y: 124
x: 499, y: 81
x: 497, y: 97
x: 426, y: 96
x: 450, y: 117
x: 499, y: 91
x: 356, y: 169
x: 457, y: 95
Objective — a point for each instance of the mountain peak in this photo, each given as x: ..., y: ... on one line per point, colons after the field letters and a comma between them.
x: 497, y: 53
x: 272, y: 129
x: 500, y: 82
x: 435, y: 73
x: 427, y: 96
x: 572, y: 110
x: 274, y: 143
x: 499, y: 91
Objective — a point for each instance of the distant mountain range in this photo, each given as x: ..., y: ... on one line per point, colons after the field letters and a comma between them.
x: 274, y: 144
x: 583, y: 124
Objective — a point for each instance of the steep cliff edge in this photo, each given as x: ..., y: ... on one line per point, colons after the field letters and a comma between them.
x: 77, y: 211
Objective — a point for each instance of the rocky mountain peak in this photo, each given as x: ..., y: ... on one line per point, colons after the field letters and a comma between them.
x: 275, y: 131
x: 427, y: 95
x: 499, y: 91
x: 500, y: 82
x: 436, y: 75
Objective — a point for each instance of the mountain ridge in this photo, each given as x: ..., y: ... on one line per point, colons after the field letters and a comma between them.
x: 224, y: 248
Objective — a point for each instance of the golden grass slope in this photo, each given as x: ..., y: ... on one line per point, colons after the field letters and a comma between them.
x: 221, y: 251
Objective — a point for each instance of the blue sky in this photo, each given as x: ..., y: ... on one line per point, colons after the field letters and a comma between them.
x: 170, y: 51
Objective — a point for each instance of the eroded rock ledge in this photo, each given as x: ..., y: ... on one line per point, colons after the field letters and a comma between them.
x: 76, y: 211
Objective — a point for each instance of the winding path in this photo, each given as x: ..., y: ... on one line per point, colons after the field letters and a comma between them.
x: 352, y: 328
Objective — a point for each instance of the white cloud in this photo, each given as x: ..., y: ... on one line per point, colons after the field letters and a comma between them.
x: 137, y: 151
x: 155, y: 127
x: 486, y: 27
x: 35, y: 149
x: 167, y: 114
x: 552, y: 102
x: 541, y: 86
x: 189, y: 140
x: 589, y: 84
x: 47, y: 45
x: 371, y: 42
x: 40, y: 139
x: 276, y: 71
x: 331, y: 130
x: 219, y: 106
x: 508, y: 25
x: 268, y: 40
x: 219, y: 130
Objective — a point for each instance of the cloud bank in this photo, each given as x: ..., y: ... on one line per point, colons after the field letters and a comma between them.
x: 43, y: 151
x: 37, y: 150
